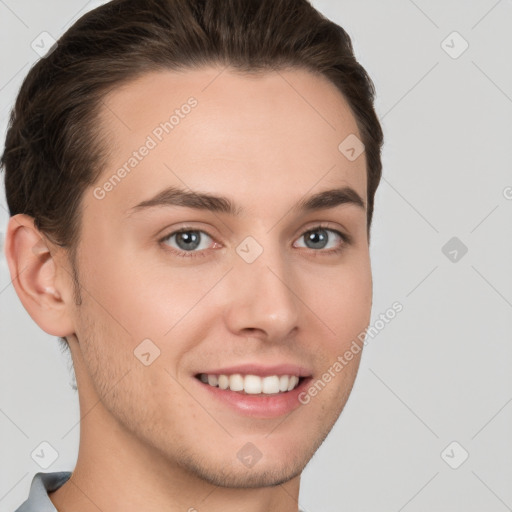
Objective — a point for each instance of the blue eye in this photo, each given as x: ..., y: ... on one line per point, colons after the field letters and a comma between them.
x: 321, y: 238
x: 187, y: 241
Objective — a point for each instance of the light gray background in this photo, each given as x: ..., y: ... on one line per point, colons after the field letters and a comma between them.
x: 440, y: 371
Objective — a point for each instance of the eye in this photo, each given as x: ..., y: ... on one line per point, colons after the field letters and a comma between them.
x: 186, y: 240
x: 322, y: 237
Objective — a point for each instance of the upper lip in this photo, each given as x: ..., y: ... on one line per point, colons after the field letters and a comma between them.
x: 262, y: 371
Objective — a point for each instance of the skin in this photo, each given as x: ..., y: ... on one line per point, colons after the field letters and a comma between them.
x: 150, y: 439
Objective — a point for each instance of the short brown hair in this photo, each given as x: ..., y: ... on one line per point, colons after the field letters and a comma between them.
x: 52, y: 150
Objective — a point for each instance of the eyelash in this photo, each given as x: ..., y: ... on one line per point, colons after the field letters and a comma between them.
x: 197, y: 254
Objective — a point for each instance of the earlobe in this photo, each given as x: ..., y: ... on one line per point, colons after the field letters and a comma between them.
x: 37, y: 276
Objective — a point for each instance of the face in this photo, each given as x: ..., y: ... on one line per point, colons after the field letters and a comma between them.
x: 181, y: 286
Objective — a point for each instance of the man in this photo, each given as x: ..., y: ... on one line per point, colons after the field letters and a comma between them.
x: 191, y: 190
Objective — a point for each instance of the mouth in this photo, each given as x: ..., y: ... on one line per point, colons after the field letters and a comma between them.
x: 256, y: 390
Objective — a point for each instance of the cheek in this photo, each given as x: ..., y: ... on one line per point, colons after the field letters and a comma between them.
x: 143, y: 299
x: 342, y: 301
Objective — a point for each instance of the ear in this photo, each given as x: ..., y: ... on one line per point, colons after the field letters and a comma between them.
x: 42, y: 284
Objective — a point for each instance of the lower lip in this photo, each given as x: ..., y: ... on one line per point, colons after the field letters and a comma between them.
x: 258, y: 406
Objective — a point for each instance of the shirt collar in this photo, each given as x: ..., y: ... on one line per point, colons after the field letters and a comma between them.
x: 42, y: 483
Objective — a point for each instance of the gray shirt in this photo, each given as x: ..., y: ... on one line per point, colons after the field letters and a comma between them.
x: 42, y: 484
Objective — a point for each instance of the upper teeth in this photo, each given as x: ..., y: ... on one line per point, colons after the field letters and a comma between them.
x: 252, y: 384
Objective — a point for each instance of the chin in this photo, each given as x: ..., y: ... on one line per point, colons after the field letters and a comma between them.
x: 266, y: 472
x: 269, y: 476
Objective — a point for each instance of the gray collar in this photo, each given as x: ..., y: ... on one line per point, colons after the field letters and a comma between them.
x: 42, y: 483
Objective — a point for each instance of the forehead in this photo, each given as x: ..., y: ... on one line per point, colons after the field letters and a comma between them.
x: 258, y: 134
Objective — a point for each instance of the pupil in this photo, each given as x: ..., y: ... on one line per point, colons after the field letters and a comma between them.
x: 318, y: 238
x: 187, y: 240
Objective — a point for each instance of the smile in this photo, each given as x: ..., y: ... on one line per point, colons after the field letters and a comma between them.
x: 255, y: 396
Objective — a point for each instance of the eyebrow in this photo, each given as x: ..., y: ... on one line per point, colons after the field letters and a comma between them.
x: 174, y: 196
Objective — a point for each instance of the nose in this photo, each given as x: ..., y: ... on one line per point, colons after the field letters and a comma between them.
x: 263, y: 297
